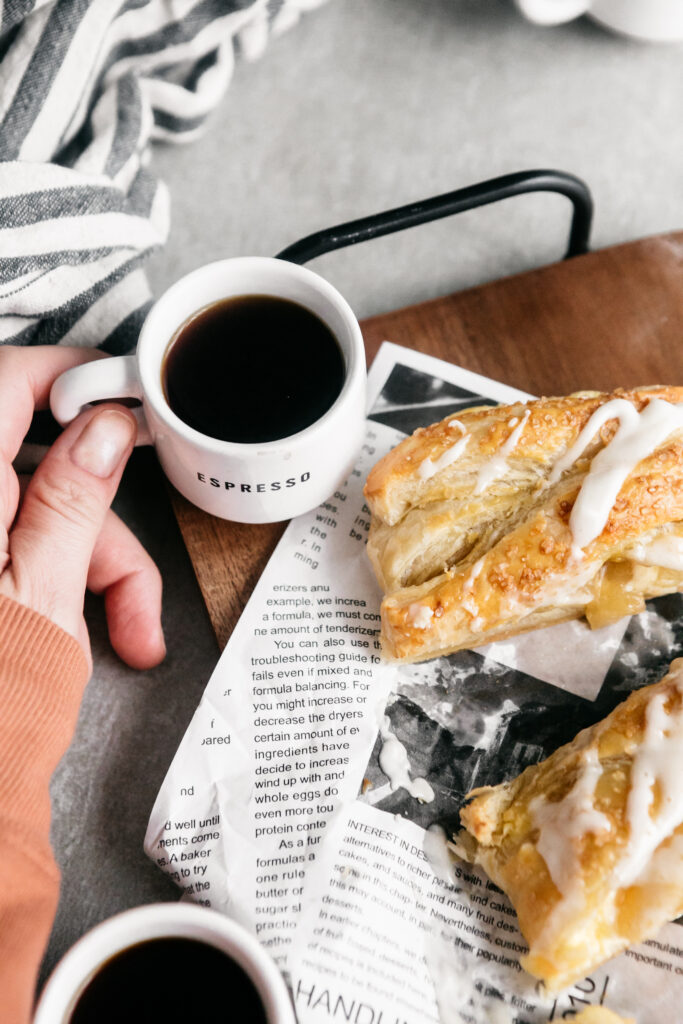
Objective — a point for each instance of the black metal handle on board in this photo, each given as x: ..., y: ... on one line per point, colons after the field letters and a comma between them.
x: 461, y: 199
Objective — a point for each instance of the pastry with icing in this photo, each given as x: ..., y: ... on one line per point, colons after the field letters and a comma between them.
x: 588, y: 844
x: 500, y: 520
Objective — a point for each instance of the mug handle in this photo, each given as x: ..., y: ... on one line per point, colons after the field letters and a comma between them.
x: 553, y: 12
x: 99, y: 381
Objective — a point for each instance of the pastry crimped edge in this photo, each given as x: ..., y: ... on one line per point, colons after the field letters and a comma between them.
x: 569, y: 933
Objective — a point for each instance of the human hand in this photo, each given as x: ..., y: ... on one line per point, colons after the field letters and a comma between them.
x: 60, y: 535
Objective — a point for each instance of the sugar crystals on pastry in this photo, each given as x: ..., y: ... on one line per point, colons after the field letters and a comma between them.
x: 500, y: 520
x: 588, y: 844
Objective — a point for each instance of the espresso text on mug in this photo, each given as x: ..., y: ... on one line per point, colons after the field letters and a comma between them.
x: 258, y: 488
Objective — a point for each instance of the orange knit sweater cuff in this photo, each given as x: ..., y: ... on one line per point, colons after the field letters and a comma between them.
x: 43, y: 672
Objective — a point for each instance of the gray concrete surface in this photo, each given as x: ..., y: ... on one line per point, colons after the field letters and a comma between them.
x: 365, y: 105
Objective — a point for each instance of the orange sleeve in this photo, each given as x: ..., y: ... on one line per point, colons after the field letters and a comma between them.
x: 43, y: 672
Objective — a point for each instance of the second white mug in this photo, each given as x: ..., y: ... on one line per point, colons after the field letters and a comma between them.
x: 133, y: 930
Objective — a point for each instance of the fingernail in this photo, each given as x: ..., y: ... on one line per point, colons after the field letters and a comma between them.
x: 103, y: 442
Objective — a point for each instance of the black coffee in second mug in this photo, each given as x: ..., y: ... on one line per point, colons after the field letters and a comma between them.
x: 173, y: 980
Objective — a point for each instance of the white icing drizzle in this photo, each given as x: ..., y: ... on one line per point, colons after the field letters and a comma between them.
x: 394, y: 762
x: 475, y: 571
x: 560, y: 825
x: 428, y: 469
x: 658, y: 763
x: 637, y: 435
x: 664, y: 552
x: 467, y: 601
x: 419, y: 615
x: 562, y: 822
x: 618, y: 408
x: 577, y: 592
x: 497, y: 464
x: 653, y: 849
x: 438, y: 854
x: 666, y: 865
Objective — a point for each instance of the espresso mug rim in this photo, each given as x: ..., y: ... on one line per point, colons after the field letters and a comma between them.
x: 151, y: 375
x: 179, y: 920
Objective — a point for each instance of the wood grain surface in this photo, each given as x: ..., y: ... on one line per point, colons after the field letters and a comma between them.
x: 608, y: 319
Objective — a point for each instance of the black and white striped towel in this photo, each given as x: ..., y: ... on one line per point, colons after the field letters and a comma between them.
x: 85, y: 86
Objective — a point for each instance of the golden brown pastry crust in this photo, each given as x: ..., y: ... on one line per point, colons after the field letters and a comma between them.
x: 393, y: 485
x: 575, y: 918
x: 490, y: 565
x: 600, y: 1015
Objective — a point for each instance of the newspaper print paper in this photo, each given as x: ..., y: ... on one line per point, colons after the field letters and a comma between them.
x: 259, y: 820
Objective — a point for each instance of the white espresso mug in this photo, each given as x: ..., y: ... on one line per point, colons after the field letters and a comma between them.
x: 653, y: 20
x: 90, y: 955
x: 250, y: 483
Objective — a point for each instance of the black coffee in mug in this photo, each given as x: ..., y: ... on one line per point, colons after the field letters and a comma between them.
x: 253, y: 368
x: 171, y: 980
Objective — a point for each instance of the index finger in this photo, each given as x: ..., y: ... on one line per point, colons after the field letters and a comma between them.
x: 26, y: 376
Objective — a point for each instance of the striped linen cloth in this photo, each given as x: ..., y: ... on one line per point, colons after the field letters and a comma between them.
x: 85, y: 87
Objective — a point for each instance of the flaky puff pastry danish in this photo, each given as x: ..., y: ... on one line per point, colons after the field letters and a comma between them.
x: 501, y: 520
x: 588, y: 845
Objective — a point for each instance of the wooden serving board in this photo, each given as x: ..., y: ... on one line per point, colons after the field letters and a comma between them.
x: 604, y: 320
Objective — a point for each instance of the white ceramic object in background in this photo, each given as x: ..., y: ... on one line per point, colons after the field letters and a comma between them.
x: 657, y: 21
x: 159, y: 921
x: 249, y: 483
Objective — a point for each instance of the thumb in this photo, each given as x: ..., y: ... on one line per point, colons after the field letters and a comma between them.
x: 62, y: 513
